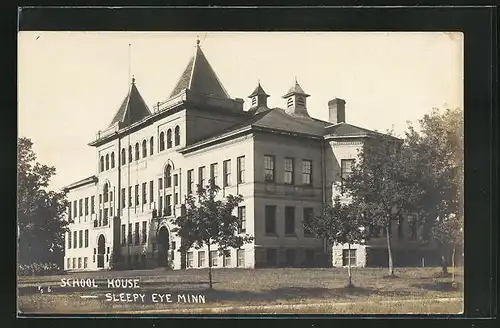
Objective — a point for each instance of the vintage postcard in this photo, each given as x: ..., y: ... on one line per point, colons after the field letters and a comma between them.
x: 240, y: 173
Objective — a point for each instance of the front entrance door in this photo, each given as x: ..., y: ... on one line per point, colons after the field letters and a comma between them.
x: 163, y: 246
x: 101, y: 248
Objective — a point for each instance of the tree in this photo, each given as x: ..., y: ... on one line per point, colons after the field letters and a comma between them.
x: 339, y: 224
x: 209, y: 221
x: 439, y: 172
x: 381, y: 184
x: 40, y: 212
x: 448, y: 232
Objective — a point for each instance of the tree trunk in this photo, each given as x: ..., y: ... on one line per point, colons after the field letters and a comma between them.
x: 444, y: 265
x: 389, y: 250
x: 209, y: 268
x: 349, y: 279
x: 453, y: 264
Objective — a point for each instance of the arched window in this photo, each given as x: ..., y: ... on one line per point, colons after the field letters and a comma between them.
x: 151, y: 146
x: 105, y: 192
x: 129, y: 154
x: 137, y: 151
x: 177, y: 135
x: 107, y: 162
x: 168, y: 176
x: 102, y: 164
x: 113, y: 160
x: 162, y: 141
x: 169, y: 138
x: 124, y: 157
x: 144, y: 149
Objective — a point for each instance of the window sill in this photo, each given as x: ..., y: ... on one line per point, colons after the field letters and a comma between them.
x: 267, y: 234
x: 291, y: 235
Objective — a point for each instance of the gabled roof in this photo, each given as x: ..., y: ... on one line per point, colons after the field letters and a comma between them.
x: 295, y: 89
x: 82, y: 182
x: 133, y: 108
x: 348, y: 130
x: 258, y: 92
x: 199, y: 77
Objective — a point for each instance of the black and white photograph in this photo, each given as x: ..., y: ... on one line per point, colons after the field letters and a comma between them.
x: 225, y: 172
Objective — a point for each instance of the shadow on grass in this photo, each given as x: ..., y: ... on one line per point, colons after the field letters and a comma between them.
x: 447, y: 286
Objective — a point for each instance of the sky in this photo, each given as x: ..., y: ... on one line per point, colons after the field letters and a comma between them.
x: 70, y: 84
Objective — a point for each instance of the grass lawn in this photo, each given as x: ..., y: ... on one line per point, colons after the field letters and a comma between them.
x: 322, y: 291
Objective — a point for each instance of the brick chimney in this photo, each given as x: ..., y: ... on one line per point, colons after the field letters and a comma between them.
x: 336, y: 108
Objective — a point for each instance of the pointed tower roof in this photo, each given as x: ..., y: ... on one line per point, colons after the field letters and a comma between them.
x: 258, y: 92
x: 133, y: 108
x: 199, y: 77
x: 296, y: 89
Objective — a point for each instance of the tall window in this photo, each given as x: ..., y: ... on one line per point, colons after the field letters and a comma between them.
x: 136, y: 151
x: 123, y: 197
x: 289, y: 220
x: 168, y: 204
x: 201, y: 259
x: 102, y: 164
x: 241, y: 257
x: 162, y: 141
x: 242, y: 217
x: 346, y: 168
x: 69, y: 212
x: 123, y: 240
x: 176, y: 180
x: 86, y: 206
x: 144, y: 231
x: 130, y: 154
x: 169, y: 138
x: 190, y: 182
x: 130, y: 196
x: 269, y: 168
x: 308, y: 217
x: 213, y: 258
x: 177, y: 135
x: 92, y: 204
x: 348, y: 255
x: 241, y: 169
x: 80, y: 207
x: 86, y: 237
x: 144, y: 148
x: 69, y: 239
x: 144, y: 195
x: 113, y: 160
x: 227, y: 258
x: 107, y: 162
x: 124, y: 157
x: 151, y: 144
x: 129, y: 234
x: 227, y: 172
x: 75, y: 240
x: 288, y: 170
x: 136, y: 234
x: 214, y: 173
x: 201, y: 176
x: 168, y: 176
x: 105, y: 192
x: 306, y: 172
x: 75, y: 211
x: 151, y: 191
x: 189, y: 259
x: 270, y: 219
x: 137, y: 195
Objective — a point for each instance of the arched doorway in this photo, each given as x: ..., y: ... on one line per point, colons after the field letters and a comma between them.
x: 163, y: 246
x: 101, y: 249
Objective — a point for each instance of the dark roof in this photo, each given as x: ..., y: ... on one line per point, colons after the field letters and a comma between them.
x: 296, y: 89
x: 258, y: 91
x: 348, y: 130
x: 82, y: 182
x: 133, y: 108
x: 199, y: 77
